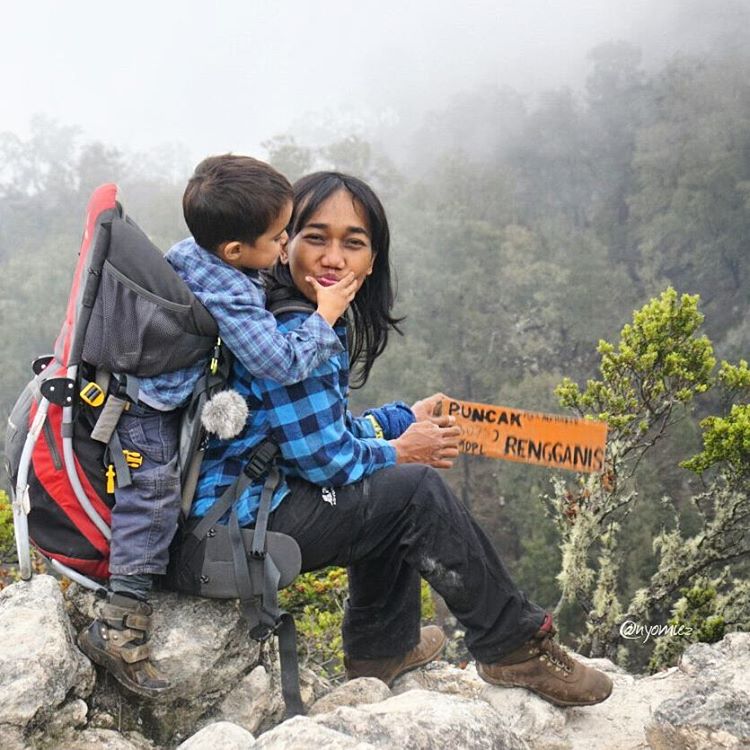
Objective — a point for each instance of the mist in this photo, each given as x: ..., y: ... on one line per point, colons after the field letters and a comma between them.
x: 234, y: 76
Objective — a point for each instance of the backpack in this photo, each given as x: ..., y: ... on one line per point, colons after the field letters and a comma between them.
x: 130, y: 314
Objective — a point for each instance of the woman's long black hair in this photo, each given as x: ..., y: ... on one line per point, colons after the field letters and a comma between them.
x: 371, y: 309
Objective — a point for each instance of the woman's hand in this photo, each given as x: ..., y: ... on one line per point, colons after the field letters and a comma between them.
x: 432, y: 441
x: 425, y: 408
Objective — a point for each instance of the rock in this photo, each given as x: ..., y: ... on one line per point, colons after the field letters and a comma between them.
x: 700, y: 720
x: 537, y: 721
x: 724, y: 663
x: 41, y: 669
x: 424, y: 720
x: 223, y: 735
x: 103, y: 739
x: 302, y: 733
x: 352, y: 693
x: 713, y: 709
x: 202, y: 645
x: 253, y: 703
x: 443, y: 678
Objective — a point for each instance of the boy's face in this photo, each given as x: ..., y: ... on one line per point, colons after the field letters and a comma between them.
x: 265, y: 250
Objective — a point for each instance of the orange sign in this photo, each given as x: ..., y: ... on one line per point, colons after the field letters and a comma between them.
x: 529, y: 437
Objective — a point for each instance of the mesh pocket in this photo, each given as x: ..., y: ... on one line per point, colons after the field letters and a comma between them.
x: 135, y: 331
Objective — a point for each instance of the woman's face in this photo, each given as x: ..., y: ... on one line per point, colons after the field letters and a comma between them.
x: 334, y: 241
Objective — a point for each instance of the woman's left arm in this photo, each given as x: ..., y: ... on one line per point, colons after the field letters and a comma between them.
x: 386, y: 422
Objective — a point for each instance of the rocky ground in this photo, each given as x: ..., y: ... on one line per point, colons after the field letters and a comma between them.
x: 226, y: 694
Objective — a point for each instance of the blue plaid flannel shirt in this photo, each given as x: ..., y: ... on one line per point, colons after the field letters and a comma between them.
x: 318, y: 438
x: 237, y: 301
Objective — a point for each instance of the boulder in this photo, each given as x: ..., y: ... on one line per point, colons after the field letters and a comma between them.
x: 713, y: 709
x: 352, y: 693
x: 416, y: 720
x: 202, y: 645
x: 222, y: 735
x: 302, y: 733
x: 43, y: 675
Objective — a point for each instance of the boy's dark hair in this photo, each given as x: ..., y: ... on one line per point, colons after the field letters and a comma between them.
x: 233, y: 198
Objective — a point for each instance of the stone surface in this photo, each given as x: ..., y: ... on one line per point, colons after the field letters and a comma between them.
x: 713, y: 708
x: 352, y: 693
x: 222, y: 735
x: 424, y: 720
x: 102, y: 739
x: 443, y: 678
x: 41, y: 669
x: 201, y: 645
x: 302, y: 733
x: 253, y: 703
x: 47, y: 697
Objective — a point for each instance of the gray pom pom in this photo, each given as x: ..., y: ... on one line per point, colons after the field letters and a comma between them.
x: 225, y: 414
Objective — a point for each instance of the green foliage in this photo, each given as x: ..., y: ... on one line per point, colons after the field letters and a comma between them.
x: 726, y: 442
x: 659, y: 363
x: 726, y: 439
x: 317, y: 602
x: 6, y: 528
x: 697, y: 617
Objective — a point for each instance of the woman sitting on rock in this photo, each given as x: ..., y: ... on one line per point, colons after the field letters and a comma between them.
x: 363, y: 492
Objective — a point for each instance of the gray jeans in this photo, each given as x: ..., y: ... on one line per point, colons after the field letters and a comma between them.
x: 144, y: 518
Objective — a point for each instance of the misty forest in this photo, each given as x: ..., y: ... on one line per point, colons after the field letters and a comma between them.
x: 583, y: 252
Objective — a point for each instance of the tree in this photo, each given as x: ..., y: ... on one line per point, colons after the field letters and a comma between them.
x: 648, y: 386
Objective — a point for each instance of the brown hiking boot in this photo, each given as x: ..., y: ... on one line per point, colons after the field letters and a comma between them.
x: 547, y: 669
x: 118, y: 640
x: 432, y: 641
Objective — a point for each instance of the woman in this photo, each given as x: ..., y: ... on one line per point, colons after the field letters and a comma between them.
x: 363, y: 493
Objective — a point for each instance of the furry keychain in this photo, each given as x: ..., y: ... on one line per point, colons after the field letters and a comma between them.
x: 225, y: 414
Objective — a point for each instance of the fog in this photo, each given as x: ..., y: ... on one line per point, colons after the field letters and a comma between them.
x: 231, y: 77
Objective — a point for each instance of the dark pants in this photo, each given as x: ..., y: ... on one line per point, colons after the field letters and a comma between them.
x: 399, y: 524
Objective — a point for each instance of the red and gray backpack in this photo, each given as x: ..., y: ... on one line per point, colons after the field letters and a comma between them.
x: 130, y: 315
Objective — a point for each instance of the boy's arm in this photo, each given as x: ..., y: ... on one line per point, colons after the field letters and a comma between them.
x: 251, y: 333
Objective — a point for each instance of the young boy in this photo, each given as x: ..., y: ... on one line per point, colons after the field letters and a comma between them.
x: 237, y: 209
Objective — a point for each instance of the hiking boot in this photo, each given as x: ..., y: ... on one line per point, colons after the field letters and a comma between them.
x: 432, y: 641
x: 547, y: 669
x: 118, y: 641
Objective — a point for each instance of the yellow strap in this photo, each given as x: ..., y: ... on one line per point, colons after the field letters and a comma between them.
x: 110, y: 474
x: 375, y: 426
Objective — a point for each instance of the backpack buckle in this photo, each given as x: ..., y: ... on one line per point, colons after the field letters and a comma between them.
x: 261, y: 459
x: 92, y: 394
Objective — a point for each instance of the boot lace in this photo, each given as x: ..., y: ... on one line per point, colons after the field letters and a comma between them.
x: 556, y: 654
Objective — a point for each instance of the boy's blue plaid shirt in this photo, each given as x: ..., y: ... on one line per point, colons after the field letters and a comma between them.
x: 237, y: 301
x: 318, y: 438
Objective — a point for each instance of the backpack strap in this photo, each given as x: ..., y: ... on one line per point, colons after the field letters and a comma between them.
x: 255, y: 572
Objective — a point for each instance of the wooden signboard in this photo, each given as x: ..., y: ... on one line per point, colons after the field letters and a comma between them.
x: 529, y: 437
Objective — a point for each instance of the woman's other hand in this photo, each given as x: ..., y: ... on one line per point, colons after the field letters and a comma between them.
x: 432, y: 441
x: 425, y: 408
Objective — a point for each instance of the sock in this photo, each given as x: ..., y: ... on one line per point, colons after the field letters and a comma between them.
x: 135, y: 586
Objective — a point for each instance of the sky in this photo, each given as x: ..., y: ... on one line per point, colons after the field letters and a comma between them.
x: 138, y: 75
